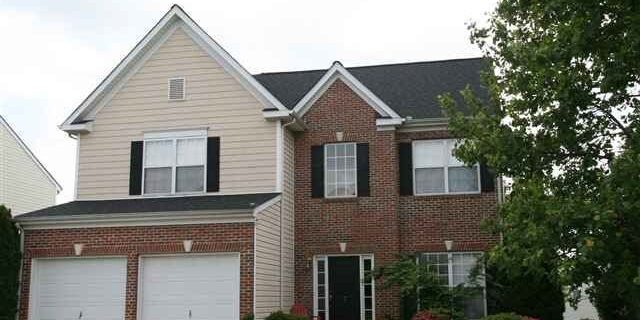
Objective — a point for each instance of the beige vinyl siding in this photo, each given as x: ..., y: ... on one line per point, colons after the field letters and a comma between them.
x: 23, y: 185
x: 268, y: 261
x: 214, y: 99
x: 288, y: 220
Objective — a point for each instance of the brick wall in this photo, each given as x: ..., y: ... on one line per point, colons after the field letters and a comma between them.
x: 366, y: 224
x: 134, y: 241
x: 385, y: 223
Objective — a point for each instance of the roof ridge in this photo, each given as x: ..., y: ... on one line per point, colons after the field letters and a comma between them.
x: 374, y: 65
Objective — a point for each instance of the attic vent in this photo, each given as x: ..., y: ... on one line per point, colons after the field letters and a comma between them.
x: 176, y: 89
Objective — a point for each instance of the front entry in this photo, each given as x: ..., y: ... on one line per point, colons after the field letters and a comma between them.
x: 344, y: 288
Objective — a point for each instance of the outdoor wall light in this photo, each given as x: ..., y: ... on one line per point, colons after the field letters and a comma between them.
x: 187, y: 244
x: 448, y: 244
x: 339, y: 135
x: 343, y: 247
x: 77, y: 248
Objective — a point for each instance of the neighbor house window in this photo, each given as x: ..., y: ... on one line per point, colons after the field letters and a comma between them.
x: 454, y: 269
x: 340, y: 170
x: 436, y: 170
x: 174, y: 162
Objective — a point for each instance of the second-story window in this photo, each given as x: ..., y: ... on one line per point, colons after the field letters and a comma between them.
x: 174, y: 163
x: 340, y: 170
x: 437, y: 171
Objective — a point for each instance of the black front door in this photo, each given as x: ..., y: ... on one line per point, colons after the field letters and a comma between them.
x: 344, y: 288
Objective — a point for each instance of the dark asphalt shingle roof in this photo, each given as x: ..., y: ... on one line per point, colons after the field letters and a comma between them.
x: 142, y: 205
x: 411, y: 89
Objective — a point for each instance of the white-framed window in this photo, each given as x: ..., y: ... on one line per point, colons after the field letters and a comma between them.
x: 437, y: 171
x: 454, y: 269
x: 174, y: 162
x: 340, y: 170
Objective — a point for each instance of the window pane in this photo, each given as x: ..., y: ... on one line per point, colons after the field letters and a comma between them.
x: 474, y: 305
x: 463, y: 179
x: 157, y: 180
x: 452, y: 160
x: 190, y: 152
x: 340, y: 170
x: 331, y: 190
x: 428, y: 154
x: 158, y: 153
x: 429, y: 180
x: 189, y: 179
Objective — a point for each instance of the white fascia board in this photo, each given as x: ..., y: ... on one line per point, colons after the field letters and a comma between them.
x: 137, y: 219
x: 337, y: 71
x: 33, y: 157
x: 77, y: 128
x: 276, y: 114
x: 166, y: 25
x: 388, y: 123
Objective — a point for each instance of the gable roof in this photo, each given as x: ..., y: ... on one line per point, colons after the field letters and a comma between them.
x: 77, y: 120
x: 26, y: 149
x: 410, y: 89
x: 337, y: 71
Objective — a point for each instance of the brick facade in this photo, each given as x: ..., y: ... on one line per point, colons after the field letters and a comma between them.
x: 135, y: 241
x: 384, y: 224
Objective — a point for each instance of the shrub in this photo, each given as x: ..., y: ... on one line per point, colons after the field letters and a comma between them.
x: 506, y: 316
x: 9, y: 265
x: 429, y: 315
x: 249, y: 316
x: 279, y: 315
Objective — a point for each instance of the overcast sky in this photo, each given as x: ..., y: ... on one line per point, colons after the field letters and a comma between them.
x: 54, y: 53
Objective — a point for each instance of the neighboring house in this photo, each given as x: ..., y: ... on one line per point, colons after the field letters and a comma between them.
x: 25, y: 184
x: 206, y: 192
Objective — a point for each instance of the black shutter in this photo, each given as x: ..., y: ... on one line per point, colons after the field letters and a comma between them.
x: 406, y: 168
x: 363, y: 169
x: 213, y: 164
x: 487, y: 179
x: 135, y: 168
x: 317, y: 171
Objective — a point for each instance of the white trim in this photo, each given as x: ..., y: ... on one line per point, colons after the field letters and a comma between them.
x: 445, y: 168
x: 168, y: 21
x: 139, y: 291
x: 26, y: 149
x: 137, y: 219
x: 77, y: 168
x: 184, y: 88
x: 355, y: 150
x: 266, y: 205
x: 279, y: 155
x: 170, y: 134
x: 276, y: 114
x: 337, y: 71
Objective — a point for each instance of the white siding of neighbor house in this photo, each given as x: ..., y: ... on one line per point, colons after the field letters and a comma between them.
x: 268, y: 261
x: 24, y: 187
x: 214, y: 99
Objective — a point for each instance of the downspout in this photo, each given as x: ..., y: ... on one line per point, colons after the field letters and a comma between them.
x: 21, y: 232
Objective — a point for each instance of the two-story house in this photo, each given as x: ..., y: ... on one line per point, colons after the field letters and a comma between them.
x: 205, y: 192
x: 25, y: 184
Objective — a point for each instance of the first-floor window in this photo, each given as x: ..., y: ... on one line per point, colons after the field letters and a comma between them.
x: 454, y: 269
x: 174, y: 164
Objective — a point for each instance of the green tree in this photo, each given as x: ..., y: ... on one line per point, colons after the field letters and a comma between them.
x: 562, y: 122
x: 9, y: 265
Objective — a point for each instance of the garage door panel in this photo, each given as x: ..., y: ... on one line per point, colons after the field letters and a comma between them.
x: 205, y: 285
x: 86, y: 288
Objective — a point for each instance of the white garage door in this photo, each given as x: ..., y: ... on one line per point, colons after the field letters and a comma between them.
x: 191, y: 287
x: 83, y: 288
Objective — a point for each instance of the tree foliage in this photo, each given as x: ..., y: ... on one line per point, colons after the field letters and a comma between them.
x: 563, y: 124
x: 9, y: 265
